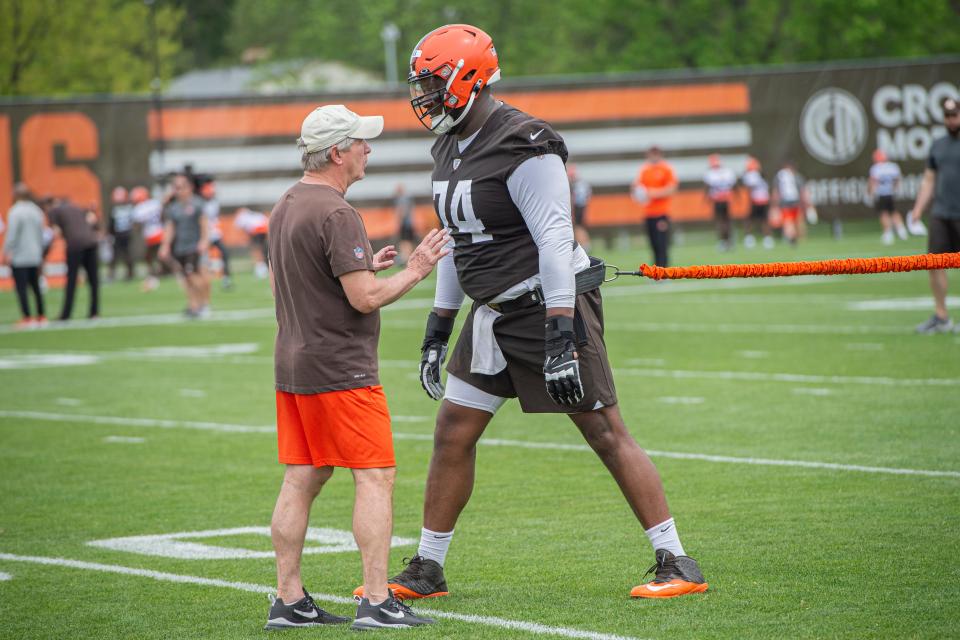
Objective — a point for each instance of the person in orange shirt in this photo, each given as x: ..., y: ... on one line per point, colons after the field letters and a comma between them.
x: 654, y: 188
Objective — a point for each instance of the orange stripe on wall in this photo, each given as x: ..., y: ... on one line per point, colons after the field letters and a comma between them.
x: 6, y: 166
x: 185, y: 123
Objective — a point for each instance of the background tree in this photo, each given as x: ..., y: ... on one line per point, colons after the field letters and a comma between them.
x: 89, y: 46
x: 62, y: 47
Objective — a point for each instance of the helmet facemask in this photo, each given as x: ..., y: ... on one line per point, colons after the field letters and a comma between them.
x: 433, y: 103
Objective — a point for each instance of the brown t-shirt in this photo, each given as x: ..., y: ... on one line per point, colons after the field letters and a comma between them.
x: 78, y: 233
x: 323, y: 344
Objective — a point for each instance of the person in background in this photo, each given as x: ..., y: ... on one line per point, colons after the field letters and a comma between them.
x: 211, y: 209
x: 23, y: 251
x: 79, y: 229
x: 185, y: 239
x: 759, y: 192
x: 883, y: 186
x: 148, y: 213
x: 403, y: 208
x: 255, y: 225
x: 941, y: 184
x: 580, y: 194
x: 719, y: 182
x: 120, y: 228
x: 790, y: 199
x: 654, y: 188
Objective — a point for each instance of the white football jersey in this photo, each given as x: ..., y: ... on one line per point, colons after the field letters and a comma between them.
x: 759, y: 191
x: 885, y: 176
x: 211, y: 209
x: 720, y: 182
x: 789, y: 185
x: 149, y: 213
x: 252, y: 222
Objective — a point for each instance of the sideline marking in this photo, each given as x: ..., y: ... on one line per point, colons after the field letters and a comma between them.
x: 163, y: 576
x: 681, y: 400
x: 178, y: 545
x: 758, y: 328
x: 812, y: 391
x: 125, y: 439
x: 899, y: 304
x: 495, y: 442
x: 5, y: 576
x: 759, y: 376
x: 193, y: 393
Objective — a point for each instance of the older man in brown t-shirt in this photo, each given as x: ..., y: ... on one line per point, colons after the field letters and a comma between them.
x: 331, y: 410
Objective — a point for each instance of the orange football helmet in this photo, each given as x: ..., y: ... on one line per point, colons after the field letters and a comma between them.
x: 139, y: 194
x: 448, y: 68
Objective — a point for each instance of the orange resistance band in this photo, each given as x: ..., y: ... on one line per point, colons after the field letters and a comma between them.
x: 923, y: 262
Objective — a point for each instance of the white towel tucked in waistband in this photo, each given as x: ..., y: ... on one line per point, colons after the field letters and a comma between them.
x: 487, y: 357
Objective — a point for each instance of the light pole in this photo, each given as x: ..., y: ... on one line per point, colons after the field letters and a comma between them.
x: 390, y: 34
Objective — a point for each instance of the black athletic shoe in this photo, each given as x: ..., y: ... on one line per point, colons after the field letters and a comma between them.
x: 389, y: 614
x: 674, y: 576
x: 302, y: 613
x: 421, y: 578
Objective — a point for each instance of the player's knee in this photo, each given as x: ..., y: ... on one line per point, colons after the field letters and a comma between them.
x: 452, y: 434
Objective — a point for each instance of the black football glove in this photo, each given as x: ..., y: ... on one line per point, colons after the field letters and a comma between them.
x: 561, y: 371
x: 433, y: 352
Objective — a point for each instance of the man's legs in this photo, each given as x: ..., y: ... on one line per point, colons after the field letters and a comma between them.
x: 450, y: 480
x: 629, y: 465
x: 20, y: 279
x: 33, y: 279
x: 92, y: 267
x: 73, y: 268
x: 301, y: 484
x: 938, y: 285
x: 373, y: 526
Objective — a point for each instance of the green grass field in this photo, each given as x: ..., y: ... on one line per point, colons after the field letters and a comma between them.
x: 132, y: 427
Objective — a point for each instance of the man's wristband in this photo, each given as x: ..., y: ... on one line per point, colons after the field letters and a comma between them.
x: 438, y: 329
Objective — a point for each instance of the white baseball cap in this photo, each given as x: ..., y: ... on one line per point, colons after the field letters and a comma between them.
x: 332, y: 123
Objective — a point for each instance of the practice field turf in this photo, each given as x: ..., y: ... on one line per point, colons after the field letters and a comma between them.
x: 807, y: 439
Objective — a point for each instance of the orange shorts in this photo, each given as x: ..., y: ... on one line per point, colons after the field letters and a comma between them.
x: 335, y: 429
x: 790, y: 214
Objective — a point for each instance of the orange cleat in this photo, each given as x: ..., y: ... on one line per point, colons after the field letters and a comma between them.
x: 421, y: 578
x: 675, y: 576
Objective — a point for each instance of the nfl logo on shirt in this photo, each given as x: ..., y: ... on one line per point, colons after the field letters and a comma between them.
x: 358, y: 253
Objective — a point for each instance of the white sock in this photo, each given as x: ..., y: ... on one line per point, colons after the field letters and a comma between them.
x: 434, y: 545
x: 664, y: 536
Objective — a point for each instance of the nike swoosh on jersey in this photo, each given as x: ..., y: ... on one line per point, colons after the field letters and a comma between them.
x: 534, y: 136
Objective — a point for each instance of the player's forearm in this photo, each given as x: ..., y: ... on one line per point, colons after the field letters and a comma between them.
x: 924, y: 195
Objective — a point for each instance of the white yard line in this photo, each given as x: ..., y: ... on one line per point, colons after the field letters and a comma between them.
x: 163, y: 576
x: 124, y: 440
x: 493, y: 442
x: 756, y: 328
x: 760, y: 376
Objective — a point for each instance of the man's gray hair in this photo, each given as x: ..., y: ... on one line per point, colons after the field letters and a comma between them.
x: 318, y: 160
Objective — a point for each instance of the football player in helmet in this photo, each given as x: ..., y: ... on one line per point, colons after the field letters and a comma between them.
x: 535, y: 326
